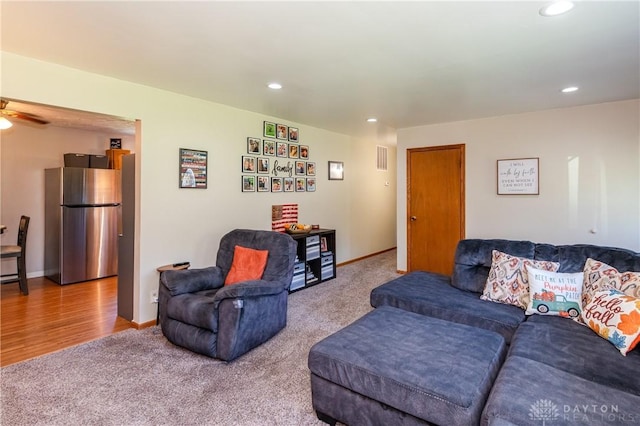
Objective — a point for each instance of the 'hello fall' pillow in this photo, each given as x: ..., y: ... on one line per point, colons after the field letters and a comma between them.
x: 615, y: 316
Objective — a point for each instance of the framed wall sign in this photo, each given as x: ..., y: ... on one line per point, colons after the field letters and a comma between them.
x: 518, y: 176
x: 193, y: 168
x: 336, y: 170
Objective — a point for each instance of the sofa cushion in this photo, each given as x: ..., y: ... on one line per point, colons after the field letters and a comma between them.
x: 575, y: 349
x: 432, y: 369
x: 532, y: 393
x: 614, y: 316
x: 572, y: 258
x: 598, y: 276
x: 473, y: 257
x: 508, y: 281
x: 431, y: 294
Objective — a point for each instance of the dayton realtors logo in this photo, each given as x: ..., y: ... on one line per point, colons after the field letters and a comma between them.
x: 544, y: 410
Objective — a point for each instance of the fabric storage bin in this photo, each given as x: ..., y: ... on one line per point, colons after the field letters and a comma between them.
x: 98, y: 161
x: 76, y: 160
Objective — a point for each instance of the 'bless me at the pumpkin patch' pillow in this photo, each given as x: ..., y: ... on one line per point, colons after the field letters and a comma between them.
x: 554, y: 293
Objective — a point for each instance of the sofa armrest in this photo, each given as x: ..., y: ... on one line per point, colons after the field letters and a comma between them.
x: 252, y: 288
x: 192, y: 280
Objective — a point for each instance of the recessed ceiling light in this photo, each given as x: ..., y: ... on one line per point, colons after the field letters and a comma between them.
x: 274, y: 86
x: 556, y: 8
x: 569, y: 89
x: 372, y: 120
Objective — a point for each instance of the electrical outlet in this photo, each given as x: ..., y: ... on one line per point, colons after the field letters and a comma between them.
x: 154, y: 297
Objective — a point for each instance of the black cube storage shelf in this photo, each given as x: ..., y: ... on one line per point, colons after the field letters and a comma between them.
x: 316, y: 258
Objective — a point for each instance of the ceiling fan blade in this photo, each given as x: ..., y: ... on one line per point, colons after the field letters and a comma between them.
x: 24, y: 116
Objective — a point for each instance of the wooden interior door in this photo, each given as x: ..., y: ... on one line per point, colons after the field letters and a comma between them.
x: 435, y: 207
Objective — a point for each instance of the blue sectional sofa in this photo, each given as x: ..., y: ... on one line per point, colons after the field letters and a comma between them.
x: 556, y: 370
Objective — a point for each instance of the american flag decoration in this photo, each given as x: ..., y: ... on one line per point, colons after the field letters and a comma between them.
x: 283, y: 214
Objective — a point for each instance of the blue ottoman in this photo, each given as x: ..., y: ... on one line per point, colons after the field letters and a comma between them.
x: 397, y: 367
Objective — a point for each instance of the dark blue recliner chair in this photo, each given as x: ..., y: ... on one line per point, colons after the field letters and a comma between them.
x: 199, y: 313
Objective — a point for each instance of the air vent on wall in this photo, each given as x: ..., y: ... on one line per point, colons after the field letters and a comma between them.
x: 381, y: 158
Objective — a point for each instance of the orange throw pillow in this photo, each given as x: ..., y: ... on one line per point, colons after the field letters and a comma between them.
x: 248, y: 264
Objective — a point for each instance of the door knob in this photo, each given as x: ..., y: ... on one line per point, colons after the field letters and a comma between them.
x: 414, y: 218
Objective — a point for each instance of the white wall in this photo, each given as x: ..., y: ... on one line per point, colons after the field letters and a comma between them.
x: 186, y: 224
x: 589, y: 175
x: 26, y: 151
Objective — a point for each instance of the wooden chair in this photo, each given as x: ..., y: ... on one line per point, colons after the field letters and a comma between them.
x: 18, y: 252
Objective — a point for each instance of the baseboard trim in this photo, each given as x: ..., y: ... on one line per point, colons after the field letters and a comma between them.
x: 144, y: 324
x: 365, y: 257
x: 401, y: 272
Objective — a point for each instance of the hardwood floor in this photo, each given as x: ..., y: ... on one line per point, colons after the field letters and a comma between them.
x: 53, y: 317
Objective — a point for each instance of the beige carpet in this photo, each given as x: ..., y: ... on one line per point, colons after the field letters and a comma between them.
x: 138, y: 378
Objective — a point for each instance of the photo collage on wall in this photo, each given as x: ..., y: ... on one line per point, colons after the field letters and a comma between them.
x: 278, y: 162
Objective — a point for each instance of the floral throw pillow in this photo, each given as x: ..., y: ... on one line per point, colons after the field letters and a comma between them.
x: 554, y: 293
x: 600, y: 276
x: 615, y: 316
x: 507, y: 281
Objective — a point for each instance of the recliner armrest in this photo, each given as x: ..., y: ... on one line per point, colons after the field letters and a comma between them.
x: 252, y: 288
x: 192, y: 280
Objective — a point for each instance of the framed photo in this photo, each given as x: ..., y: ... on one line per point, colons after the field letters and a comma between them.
x: 269, y: 129
x: 282, y: 131
x: 311, y: 184
x: 115, y: 143
x: 276, y: 184
x: 300, y: 168
x: 253, y: 146
x: 263, y: 165
x: 336, y: 170
x: 304, y: 152
x: 248, y: 183
x: 248, y: 164
x: 282, y: 149
x: 263, y: 183
x: 301, y: 184
x: 268, y: 147
x: 293, y: 134
x: 192, y: 169
x: 311, y: 168
x: 323, y: 243
x: 293, y: 151
x: 289, y: 184
x: 518, y: 176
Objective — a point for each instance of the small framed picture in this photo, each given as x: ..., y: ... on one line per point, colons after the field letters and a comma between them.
x: 268, y: 147
x: 115, y: 143
x: 282, y: 131
x: 253, y: 146
x: 192, y: 169
x: 263, y: 165
x: 311, y: 168
x: 301, y: 184
x: 323, y: 243
x: 289, y: 184
x: 248, y: 183
x: 311, y: 184
x: 300, y: 168
x: 293, y: 151
x: 336, y: 170
x: 263, y: 183
x: 276, y: 184
x: 304, y: 152
x: 269, y: 129
x: 293, y: 134
x: 248, y: 164
x: 282, y: 149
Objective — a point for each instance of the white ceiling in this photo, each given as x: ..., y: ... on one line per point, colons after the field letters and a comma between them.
x: 406, y: 63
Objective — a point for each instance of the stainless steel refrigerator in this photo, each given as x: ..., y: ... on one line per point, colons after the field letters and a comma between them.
x: 82, y: 221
